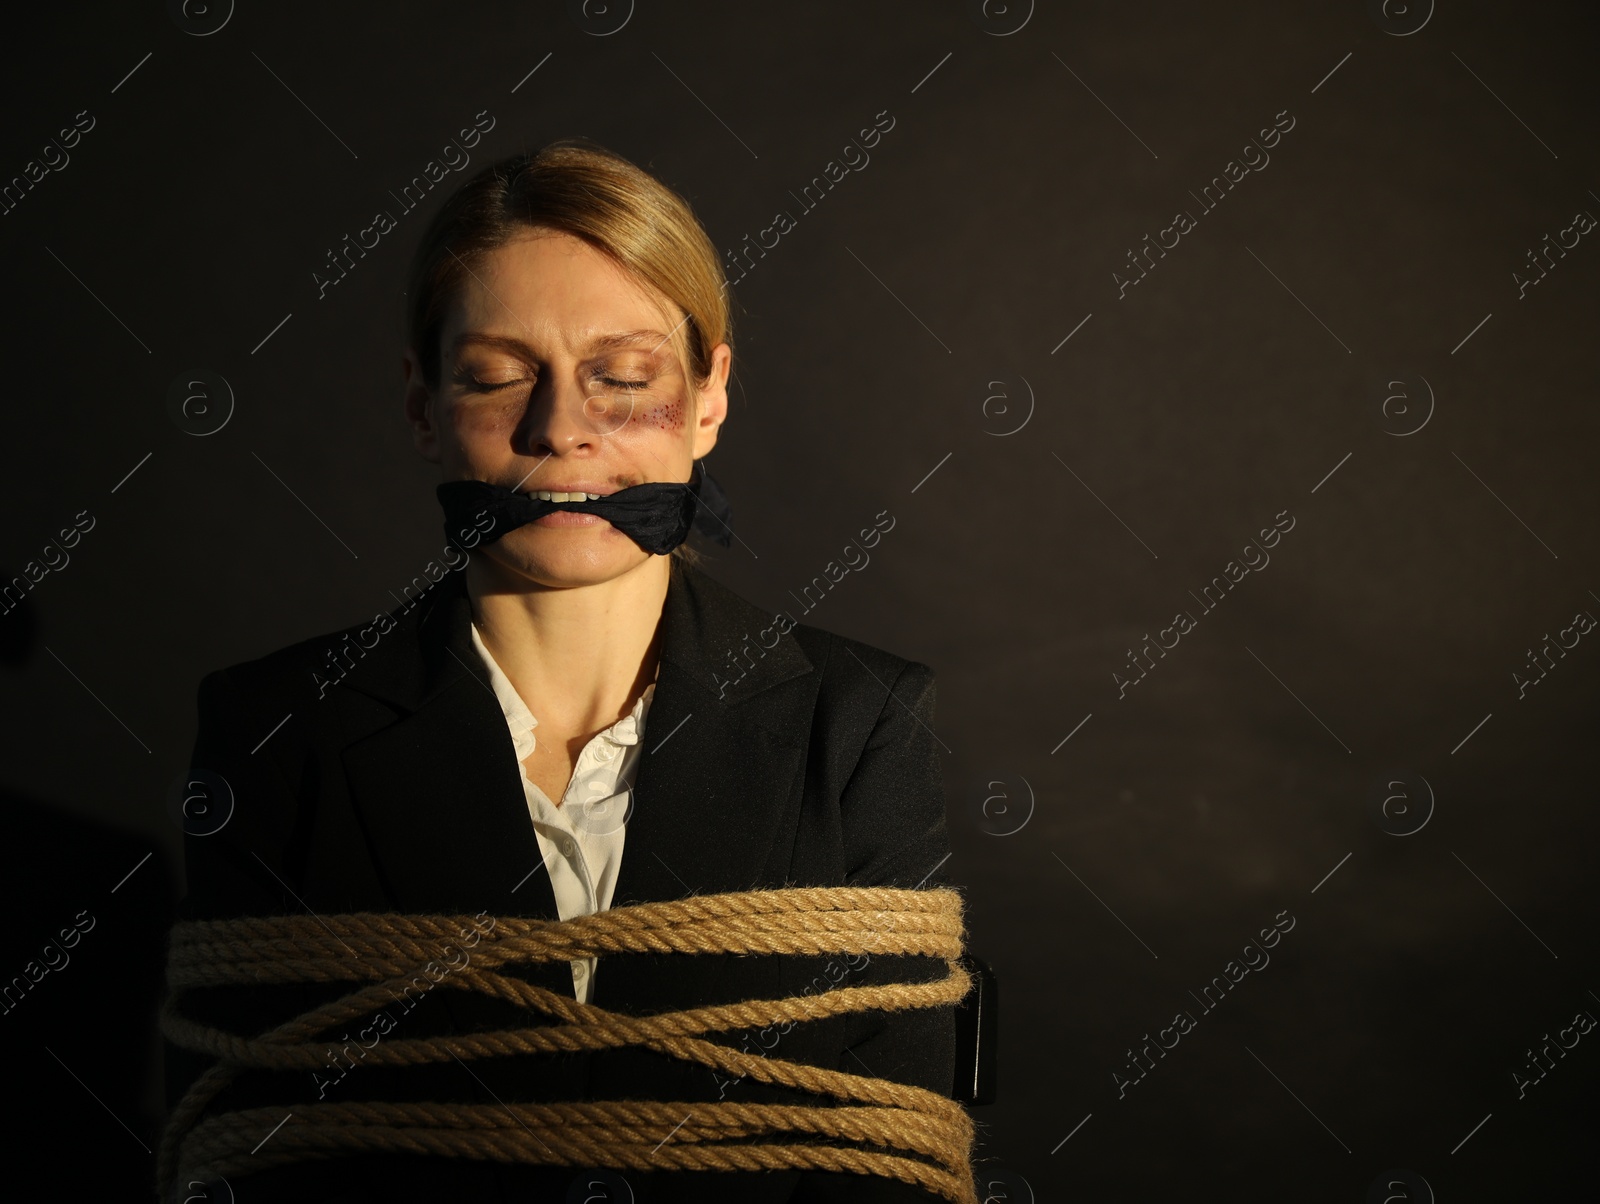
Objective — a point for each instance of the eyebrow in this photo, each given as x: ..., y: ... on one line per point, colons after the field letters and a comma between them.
x: 616, y: 341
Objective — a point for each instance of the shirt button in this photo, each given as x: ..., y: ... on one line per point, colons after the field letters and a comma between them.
x: 581, y: 970
x: 566, y: 846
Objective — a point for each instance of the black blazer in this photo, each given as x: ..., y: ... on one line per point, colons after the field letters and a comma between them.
x: 382, y: 777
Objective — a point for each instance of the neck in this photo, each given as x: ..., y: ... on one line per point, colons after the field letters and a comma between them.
x: 580, y: 656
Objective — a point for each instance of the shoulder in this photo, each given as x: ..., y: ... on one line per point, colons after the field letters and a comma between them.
x: 852, y: 669
x: 301, y: 680
x: 765, y: 648
x: 293, y: 673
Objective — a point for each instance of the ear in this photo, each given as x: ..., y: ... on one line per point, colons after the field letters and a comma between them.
x: 419, y: 406
x: 713, y: 401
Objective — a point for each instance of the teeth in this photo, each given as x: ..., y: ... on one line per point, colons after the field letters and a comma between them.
x: 545, y: 495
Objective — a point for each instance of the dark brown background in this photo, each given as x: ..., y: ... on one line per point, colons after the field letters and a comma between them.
x: 1130, y: 862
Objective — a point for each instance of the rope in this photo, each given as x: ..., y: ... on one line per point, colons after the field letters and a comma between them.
x: 899, y: 1131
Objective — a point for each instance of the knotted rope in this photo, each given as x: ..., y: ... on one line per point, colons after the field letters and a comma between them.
x: 900, y: 1131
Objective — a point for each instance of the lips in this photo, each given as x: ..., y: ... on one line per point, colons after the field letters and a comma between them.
x: 560, y: 516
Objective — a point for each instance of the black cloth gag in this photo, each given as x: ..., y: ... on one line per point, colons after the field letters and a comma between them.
x: 657, y: 515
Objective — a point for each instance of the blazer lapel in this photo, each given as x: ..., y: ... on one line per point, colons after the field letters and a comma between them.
x: 439, y: 790
x: 717, y: 775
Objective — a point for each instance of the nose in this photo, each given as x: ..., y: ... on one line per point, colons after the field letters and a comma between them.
x: 556, y: 422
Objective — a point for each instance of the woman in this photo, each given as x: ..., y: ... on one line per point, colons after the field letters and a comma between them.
x: 570, y: 720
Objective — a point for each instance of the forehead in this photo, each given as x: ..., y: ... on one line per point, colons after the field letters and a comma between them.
x: 558, y: 293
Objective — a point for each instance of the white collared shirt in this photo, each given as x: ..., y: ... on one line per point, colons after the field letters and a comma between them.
x: 581, y: 839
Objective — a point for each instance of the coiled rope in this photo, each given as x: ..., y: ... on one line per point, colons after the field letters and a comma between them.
x: 899, y: 1131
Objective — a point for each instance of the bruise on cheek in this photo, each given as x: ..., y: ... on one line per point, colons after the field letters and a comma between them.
x: 665, y: 416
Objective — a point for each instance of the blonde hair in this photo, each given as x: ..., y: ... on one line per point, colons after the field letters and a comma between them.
x: 580, y: 188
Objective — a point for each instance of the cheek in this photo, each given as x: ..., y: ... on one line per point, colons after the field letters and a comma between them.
x: 487, y: 419
x: 660, y: 416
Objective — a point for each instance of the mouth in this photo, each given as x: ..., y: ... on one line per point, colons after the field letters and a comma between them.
x: 563, y: 495
x: 574, y: 493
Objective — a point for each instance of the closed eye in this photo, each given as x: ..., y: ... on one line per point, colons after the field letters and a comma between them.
x: 485, y: 386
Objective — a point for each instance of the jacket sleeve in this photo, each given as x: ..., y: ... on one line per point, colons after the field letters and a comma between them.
x: 244, y: 867
x: 895, y: 834
x: 235, y: 852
